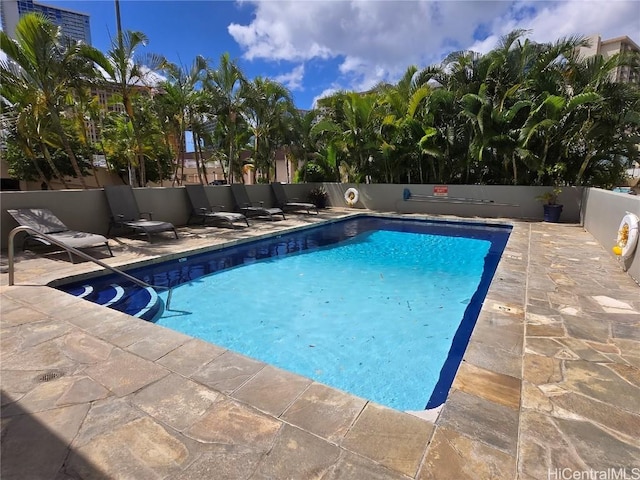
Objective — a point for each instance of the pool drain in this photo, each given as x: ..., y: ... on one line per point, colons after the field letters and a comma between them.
x: 48, y: 376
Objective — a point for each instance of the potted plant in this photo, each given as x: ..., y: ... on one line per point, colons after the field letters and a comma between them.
x: 318, y: 196
x: 552, y: 209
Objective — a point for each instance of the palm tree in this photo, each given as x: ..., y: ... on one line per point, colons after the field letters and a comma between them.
x: 303, y: 143
x: 403, y: 125
x: 47, y: 73
x: 224, y: 85
x: 180, y: 102
x: 354, y: 128
x: 606, y: 133
x: 129, y: 75
x: 267, y: 105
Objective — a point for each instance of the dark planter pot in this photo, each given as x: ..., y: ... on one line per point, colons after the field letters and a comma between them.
x: 552, y: 213
x: 318, y: 199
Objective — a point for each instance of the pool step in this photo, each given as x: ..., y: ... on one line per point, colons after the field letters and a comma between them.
x: 132, y: 299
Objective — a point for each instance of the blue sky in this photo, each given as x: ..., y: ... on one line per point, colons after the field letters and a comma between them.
x: 317, y: 47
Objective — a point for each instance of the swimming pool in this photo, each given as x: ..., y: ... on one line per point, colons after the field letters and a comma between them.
x: 329, y: 303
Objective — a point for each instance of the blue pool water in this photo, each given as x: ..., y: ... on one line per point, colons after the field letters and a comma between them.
x: 380, y: 308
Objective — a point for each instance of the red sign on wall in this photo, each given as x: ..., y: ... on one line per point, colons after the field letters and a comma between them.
x: 440, y: 190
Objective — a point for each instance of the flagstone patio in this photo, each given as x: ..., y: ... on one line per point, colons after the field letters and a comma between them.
x: 550, y: 381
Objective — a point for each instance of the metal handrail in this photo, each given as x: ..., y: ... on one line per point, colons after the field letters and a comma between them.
x: 77, y: 252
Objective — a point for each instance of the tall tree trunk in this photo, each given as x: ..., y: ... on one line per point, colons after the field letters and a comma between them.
x: 202, y: 162
x: 43, y: 178
x: 142, y: 168
x: 95, y: 174
x: 160, y: 176
x: 128, y: 107
x: 232, y: 139
x: 275, y: 170
x: 67, y: 147
x: 196, y: 155
x: 56, y: 172
x: 182, y: 160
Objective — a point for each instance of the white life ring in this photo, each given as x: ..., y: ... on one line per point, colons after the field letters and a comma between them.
x: 627, y: 236
x: 351, y: 196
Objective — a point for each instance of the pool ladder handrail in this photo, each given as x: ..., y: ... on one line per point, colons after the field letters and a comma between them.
x: 77, y: 252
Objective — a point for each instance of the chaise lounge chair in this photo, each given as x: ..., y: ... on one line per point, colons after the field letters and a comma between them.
x: 202, y: 209
x: 125, y: 212
x: 286, y: 205
x: 44, y: 221
x: 245, y: 205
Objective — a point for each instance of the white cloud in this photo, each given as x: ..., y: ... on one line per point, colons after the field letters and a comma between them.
x: 550, y: 21
x: 293, y: 79
x: 325, y: 93
x: 377, y: 40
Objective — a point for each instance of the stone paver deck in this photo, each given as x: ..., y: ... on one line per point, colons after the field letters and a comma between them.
x: 549, y: 385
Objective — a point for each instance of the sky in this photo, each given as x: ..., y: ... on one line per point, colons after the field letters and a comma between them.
x: 318, y: 47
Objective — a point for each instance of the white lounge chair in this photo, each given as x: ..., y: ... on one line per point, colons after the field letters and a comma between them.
x: 125, y: 212
x: 288, y: 206
x: 202, y: 209
x: 44, y: 221
x: 249, y: 208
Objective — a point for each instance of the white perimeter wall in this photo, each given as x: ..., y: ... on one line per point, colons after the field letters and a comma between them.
x: 601, y: 216
x: 487, y: 201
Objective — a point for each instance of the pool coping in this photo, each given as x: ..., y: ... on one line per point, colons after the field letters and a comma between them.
x: 481, y: 414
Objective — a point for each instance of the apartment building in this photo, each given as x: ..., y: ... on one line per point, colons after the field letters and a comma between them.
x: 74, y: 25
x: 610, y: 47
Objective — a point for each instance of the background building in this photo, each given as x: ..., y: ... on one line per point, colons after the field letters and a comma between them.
x: 608, y: 48
x: 75, y: 25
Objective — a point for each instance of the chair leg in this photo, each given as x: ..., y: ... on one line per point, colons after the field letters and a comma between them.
x: 146, y: 232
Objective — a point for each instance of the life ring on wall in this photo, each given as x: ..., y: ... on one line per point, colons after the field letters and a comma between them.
x: 351, y: 196
x: 627, y: 236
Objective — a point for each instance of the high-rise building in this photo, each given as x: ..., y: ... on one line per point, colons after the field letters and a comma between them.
x: 608, y: 48
x: 75, y: 25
